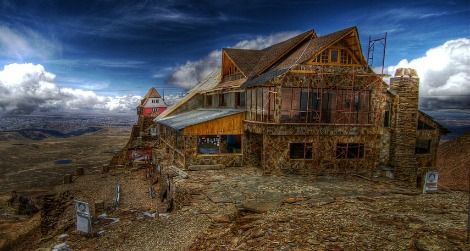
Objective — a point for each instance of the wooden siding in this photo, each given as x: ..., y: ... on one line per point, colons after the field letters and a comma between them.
x: 230, y: 125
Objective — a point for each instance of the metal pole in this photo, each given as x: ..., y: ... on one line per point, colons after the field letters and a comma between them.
x: 385, y: 47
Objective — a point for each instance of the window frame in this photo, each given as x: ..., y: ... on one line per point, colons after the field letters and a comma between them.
x: 427, y: 149
x: 347, y: 155
x: 306, y: 150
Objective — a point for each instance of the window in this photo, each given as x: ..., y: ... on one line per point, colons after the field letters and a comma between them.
x: 349, y: 151
x: 209, y: 101
x: 324, y: 56
x: 219, y: 144
x: 423, y: 126
x: 387, y: 119
x: 346, y: 58
x: 423, y: 146
x: 230, y: 144
x: 237, y: 99
x: 224, y: 99
x: 241, y: 99
x: 208, y: 144
x: 334, y: 56
x: 314, y: 105
x: 154, y: 109
x: 300, y: 150
x: 286, y: 101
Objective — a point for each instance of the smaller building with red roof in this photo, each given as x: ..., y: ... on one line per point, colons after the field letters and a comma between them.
x: 152, y: 104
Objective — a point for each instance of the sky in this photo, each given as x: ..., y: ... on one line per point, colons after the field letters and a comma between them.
x: 104, y: 55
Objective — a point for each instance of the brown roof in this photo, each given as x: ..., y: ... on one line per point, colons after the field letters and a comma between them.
x: 252, y: 62
x: 275, y: 52
x: 246, y: 60
x: 152, y: 93
x: 310, y: 47
x: 304, y: 51
x: 230, y: 84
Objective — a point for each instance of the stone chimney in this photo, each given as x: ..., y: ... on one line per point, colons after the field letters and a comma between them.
x: 405, y: 84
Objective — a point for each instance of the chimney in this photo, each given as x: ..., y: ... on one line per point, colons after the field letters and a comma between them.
x: 405, y: 84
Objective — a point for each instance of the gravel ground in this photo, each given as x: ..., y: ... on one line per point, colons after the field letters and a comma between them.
x: 240, y: 209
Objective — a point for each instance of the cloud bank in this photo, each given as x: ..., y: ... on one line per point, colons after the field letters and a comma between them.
x: 192, y: 72
x: 25, y: 88
x: 444, y: 73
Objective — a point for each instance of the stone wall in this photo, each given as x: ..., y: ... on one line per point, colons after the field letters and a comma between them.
x: 403, y: 159
x: 252, y: 149
x: 276, y: 139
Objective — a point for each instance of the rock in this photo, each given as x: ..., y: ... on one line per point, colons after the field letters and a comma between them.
x: 220, y: 218
x: 259, y: 206
x: 293, y: 200
x: 62, y: 237
x: 425, y: 244
x: 61, y: 247
x: 456, y: 234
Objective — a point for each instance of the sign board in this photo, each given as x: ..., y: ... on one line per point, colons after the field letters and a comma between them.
x: 140, y: 154
x: 84, y: 223
x: 82, y: 207
x: 83, y: 216
x: 430, y: 182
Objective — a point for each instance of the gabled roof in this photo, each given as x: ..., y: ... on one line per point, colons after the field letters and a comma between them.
x: 302, y: 53
x: 253, y: 62
x: 152, y: 93
x: 208, y: 83
x: 246, y: 60
x: 441, y: 127
x: 311, y: 47
x: 186, y: 119
x: 275, y: 52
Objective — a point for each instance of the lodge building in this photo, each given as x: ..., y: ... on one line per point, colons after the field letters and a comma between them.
x: 307, y: 105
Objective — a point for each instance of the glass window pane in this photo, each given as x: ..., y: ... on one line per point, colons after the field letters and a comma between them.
x: 230, y: 144
x: 334, y: 56
x: 208, y: 144
x: 296, y: 150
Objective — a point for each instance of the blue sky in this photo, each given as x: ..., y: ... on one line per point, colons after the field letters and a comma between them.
x: 124, y: 47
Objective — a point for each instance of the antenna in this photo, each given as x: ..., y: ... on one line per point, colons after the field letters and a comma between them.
x: 382, y: 40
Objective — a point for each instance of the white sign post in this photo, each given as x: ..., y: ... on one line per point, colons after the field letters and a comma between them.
x: 430, y: 182
x: 82, y: 212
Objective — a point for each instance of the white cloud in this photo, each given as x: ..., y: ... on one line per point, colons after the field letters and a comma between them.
x: 25, y: 88
x: 444, y: 74
x: 25, y: 43
x: 192, y: 72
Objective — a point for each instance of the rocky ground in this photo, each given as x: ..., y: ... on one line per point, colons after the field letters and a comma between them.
x: 240, y: 209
